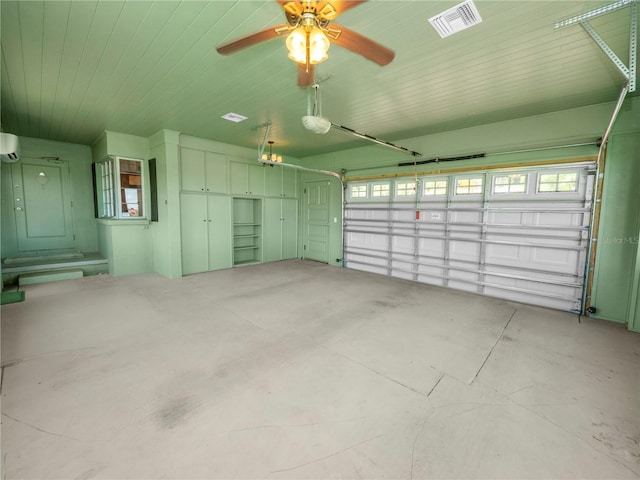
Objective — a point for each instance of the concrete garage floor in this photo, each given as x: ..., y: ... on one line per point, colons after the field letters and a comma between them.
x: 300, y: 370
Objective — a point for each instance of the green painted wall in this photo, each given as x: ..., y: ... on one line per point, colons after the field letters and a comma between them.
x: 79, y: 161
x: 614, y: 292
x: 126, y: 244
x: 164, y: 147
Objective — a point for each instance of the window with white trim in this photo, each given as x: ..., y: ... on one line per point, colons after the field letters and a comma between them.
x: 469, y: 185
x: 405, y: 189
x: 105, y: 182
x: 359, y: 191
x: 511, y: 183
x: 380, y: 189
x: 119, y: 188
x: 558, y: 182
x: 435, y: 187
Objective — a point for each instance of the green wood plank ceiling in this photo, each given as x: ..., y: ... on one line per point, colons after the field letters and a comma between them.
x: 71, y: 70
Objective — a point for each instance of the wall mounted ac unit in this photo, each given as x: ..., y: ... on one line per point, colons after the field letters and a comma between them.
x: 9, y: 148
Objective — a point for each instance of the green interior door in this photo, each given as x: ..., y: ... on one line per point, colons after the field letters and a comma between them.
x: 316, y: 232
x: 42, y: 205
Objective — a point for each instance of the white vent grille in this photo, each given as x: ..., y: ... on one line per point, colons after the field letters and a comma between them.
x: 463, y: 15
x: 234, y: 117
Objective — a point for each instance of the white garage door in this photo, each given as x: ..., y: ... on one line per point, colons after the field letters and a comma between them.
x: 519, y: 234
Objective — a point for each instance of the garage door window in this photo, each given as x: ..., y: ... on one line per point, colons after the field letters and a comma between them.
x: 468, y: 186
x: 405, y: 189
x: 380, y: 190
x: 513, y: 183
x: 435, y: 187
x: 558, y: 182
x: 358, y: 191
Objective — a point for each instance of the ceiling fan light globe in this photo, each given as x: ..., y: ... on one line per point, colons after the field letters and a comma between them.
x: 297, y: 45
x: 318, y: 46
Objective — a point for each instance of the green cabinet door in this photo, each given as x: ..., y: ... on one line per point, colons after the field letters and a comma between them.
x: 256, y: 179
x: 192, y: 171
x: 272, y: 229
x: 216, y: 173
x: 281, y: 181
x: 280, y: 229
x: 289, y: 228
x: 247, y: 179
x: 273, y: 180
x: 239, y: 178
x: 219, y: 232
x: 193, y: 231
x: 289, y: 182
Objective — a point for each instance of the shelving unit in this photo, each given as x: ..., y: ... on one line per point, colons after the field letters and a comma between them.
x: 247, y: 230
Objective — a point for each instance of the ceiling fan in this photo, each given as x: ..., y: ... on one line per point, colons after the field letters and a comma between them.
x: 310, y: 33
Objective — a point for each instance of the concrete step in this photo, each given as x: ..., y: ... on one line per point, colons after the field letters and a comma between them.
x: 50, y: 276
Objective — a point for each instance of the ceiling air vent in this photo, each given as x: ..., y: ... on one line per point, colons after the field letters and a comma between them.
x: 463, y: 15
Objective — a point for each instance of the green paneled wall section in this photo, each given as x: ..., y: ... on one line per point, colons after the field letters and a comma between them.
x: 618, y: 237
x: 165, y: 233
x: 78, y: 158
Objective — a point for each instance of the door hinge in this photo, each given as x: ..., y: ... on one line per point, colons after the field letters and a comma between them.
x: 71, y: 203
x: 304, y: 247
x: 305, y: 191
x: 74, y: 236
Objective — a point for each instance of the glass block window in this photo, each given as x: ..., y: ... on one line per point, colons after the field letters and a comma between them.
x: 405, y: 189
x: 359, y: 191
x: 435, y: 187
x: 469, y: 186
x: 380, y: 190
x: 558, y: 182
x: 513, y: 183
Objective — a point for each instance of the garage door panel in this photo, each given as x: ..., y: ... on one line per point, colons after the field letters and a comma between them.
x: 465, y: 216
x: 556, y: 259
x: 510, y: 254
x: 461, y: 250
x: 468, y: 286
x: 431, y: 279
x: 403, y: 244
x: 558, y: 218
x: 508, y: 218
x: 404, y: 214
x: 534, y: 299
x: 402, y: 268
x: 431, y: 246
x: 529, y: 247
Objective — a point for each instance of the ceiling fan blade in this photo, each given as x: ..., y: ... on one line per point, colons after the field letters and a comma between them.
x: 363, y: 46
x: 306, y: 76
x: 329, y: 10
x: 252, y: 39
